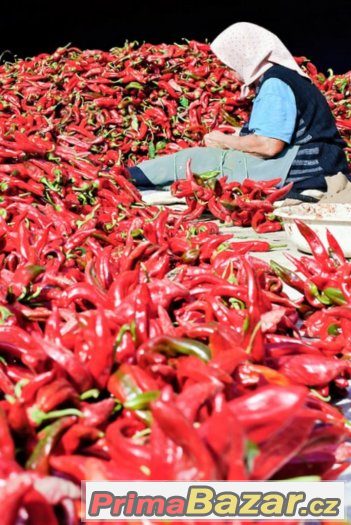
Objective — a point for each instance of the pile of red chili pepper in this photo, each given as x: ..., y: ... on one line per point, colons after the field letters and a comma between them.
x: 95, y: 108
x: 240, y: 204
x: 83, y: 112
x: 128, y: 330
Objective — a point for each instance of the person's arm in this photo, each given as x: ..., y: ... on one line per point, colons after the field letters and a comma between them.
x: 272, y: 123
x: 264, y: 147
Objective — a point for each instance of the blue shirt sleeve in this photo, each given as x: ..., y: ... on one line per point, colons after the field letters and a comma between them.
x: 274, y: 111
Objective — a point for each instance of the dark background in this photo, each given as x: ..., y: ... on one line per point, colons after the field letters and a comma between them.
x: 314, y: 29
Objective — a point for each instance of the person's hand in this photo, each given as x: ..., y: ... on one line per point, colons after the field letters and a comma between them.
x: 216, y: 139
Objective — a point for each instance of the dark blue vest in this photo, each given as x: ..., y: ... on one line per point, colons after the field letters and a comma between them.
x: 321, y: 146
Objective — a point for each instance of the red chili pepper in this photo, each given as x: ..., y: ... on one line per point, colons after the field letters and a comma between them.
x: 101, y: 356
x: 280, y: 193
x: 130, y: 381
x: 289, y: 277
x: 23, y: 276
x: 312, y: 370
x: 93, y: 468
x: 335, y: 249
x: 67, y: 362
x: 179, y: 430
x: 261, y: 225
x: 319, y: 251
x: 54, y: 394
x: 261, y: 412
x: 78, y: 435
x: 39, y: 459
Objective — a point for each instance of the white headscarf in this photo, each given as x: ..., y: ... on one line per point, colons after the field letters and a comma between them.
x: 251, y: 50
